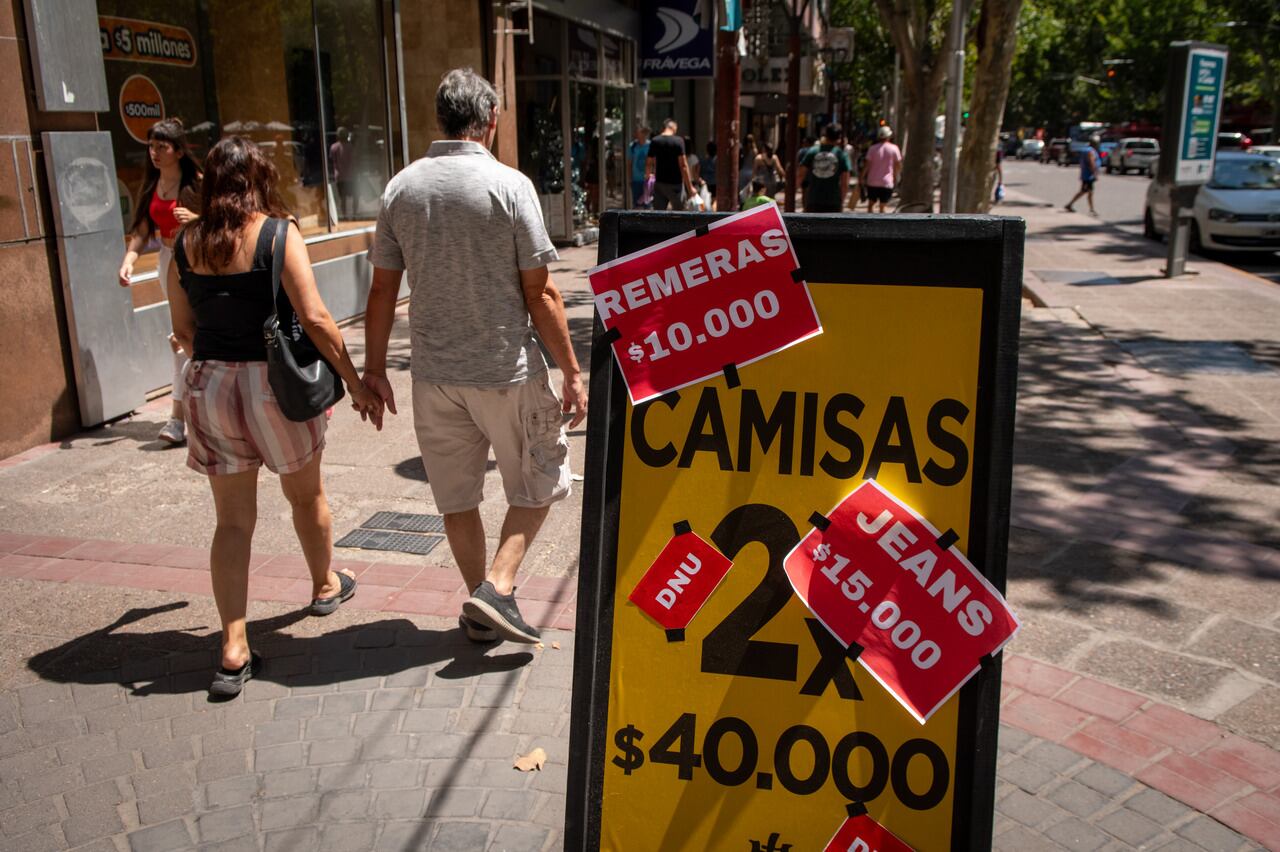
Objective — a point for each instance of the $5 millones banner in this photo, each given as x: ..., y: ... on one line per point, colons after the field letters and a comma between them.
x: 708, y: 301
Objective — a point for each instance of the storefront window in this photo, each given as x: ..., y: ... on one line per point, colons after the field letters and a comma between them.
x: 355, y: 124
x: 584, y: 155
x: 615, y: 145
x: 615, y: 64
x: 249, y: 68
x: 543, y: 56
x: 542, y: 147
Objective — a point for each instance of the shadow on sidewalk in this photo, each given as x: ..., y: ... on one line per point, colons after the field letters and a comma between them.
x: 1103, y: 455
x: 168, y: 662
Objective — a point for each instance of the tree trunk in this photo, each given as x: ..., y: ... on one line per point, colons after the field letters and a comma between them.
x: 924, y: 67
x: 728, y: 93
x: 915, y: 191
x: 793, y: 113
x: 986, y: 108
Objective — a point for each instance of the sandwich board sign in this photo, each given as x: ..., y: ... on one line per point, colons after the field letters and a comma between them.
x: 836, y: 513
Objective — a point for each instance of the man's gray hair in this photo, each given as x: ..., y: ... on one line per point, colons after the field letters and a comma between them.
x: 464, y: 102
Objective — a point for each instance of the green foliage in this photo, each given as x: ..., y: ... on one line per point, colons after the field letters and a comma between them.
x: 1062, y: 41
x: 870, y: 69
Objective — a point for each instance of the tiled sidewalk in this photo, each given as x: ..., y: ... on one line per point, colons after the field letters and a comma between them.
x: 384, y: 586
x: 1200, y: 767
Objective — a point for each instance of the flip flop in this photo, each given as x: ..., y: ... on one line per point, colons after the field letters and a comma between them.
x: 329, y: 605
x: 229, y: 682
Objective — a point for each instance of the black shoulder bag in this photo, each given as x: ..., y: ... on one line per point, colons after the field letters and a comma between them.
x: 303, y: 382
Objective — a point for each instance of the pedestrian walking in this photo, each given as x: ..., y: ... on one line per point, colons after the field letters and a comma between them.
x: 882, y: 169
x: 468, y: 231
x: 637, y: 153
x: 170, y: 198
x: 707, y: 170
x: 1088, y: 175
x: 824, y: 171
x: 768, y: 169
x: 224, y: 261
x: 669, y: 167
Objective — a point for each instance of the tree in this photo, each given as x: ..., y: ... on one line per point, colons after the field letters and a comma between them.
x: 920, y: 33
x: 996, y: 39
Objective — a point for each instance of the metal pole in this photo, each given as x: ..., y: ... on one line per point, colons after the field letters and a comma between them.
x: 955, y: 93
x: 728, y: 93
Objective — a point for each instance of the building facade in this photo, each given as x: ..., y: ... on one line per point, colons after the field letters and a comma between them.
x: 339, y: 93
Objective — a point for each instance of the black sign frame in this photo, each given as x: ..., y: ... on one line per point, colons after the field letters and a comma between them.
x: 973, y: 252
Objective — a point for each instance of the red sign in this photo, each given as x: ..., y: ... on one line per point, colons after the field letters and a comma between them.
x: 680, y: 581
x: 703, y: 303
x: 881, y: 577
x: 863, y: 834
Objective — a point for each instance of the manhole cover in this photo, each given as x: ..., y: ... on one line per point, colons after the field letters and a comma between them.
x: 1077, y: 277
x: 405, y: 522
x: 401, y: 542
x: 1194, y: 356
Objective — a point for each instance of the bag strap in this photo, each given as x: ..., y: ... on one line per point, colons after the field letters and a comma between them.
x: 281, y: 227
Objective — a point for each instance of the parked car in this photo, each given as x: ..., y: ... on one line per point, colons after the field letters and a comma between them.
x: 1105, y: 150
x: 1272, y: 151
x: 1030, y: 149
x: 1135, y: 152
x: 1053, y: 152
x: 1237, y: 210
x: 1234, y: 140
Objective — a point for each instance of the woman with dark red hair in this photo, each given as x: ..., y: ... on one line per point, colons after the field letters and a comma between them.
x: 170, y: 198
x: 224, y: 261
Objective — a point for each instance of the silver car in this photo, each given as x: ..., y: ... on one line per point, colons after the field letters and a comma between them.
x: 1136, y: 152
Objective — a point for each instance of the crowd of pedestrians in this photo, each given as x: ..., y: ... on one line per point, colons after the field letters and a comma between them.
x: 834, y: 173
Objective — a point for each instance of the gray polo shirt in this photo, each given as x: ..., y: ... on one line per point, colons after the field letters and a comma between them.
x: 463, y: 225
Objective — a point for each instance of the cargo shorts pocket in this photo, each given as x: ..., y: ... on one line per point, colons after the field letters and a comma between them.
x: 546, y: 473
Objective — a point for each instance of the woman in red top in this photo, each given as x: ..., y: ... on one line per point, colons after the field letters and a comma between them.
x: 169, y: 198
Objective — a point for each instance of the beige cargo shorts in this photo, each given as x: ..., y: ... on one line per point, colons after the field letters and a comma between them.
x: 456, y: 425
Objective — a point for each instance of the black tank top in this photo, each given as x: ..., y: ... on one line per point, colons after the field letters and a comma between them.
x: 230, y: 309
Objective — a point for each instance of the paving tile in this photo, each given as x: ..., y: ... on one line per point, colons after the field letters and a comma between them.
x: 460, y: 837
x: 29, y: 817
x: 287, y: 756
x: 155, y: 782
x: 168, y: 837
x: 1175, y: 728
x: 347, y: 837
x: 1053, y: 756
x: 397, y: 773
x: 231, y: 791
x: 324, y: 752
x: 346, y: 804
x: 1077, y: 834
x: 214, y: 826
x: 293, y: 812
x: 1042, y: 716
x: 167, y: 806
x: 1157, y: 806
x: 222, y: 766
x: 1209, y: 833
x: 292, y: 839
x: 50, y: 783
x: 399, y: 804
x: 1130, y: 826
x: 1077, y: 798
x: 1254, y: 763
x: 287, y: 782
x: 510, y: 838
x: 376, y: 723
x: 449, y: 802
x: 1249, y: 823
x: 1027, y: 809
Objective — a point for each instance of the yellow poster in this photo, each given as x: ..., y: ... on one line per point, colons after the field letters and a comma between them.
x: 754, y: 731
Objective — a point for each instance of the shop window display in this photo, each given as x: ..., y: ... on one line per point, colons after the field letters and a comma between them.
x: 250, y: 68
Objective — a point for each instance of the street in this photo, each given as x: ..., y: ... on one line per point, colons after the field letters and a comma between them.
x: 1119, y: 201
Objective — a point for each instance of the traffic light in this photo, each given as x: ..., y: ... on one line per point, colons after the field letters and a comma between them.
x: 1111, y: 72
x: 964, y: 118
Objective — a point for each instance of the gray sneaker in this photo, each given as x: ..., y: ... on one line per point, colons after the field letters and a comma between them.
x: 174, y: 432
x: 499, y: 612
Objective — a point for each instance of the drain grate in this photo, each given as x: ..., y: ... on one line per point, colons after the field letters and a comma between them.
x: 405, y: 522
x: 401, y: 542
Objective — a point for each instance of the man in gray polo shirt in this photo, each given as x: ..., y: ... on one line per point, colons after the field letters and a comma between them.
x: 469, y: 232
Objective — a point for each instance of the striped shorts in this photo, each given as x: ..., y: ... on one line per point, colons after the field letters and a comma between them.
x: 234, y: 424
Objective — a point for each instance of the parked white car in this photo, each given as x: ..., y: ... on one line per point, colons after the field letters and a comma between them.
x: 1135, y: 152
x: 1272, y: 151
x: 1030, y: 149
x: 1237, y: 210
